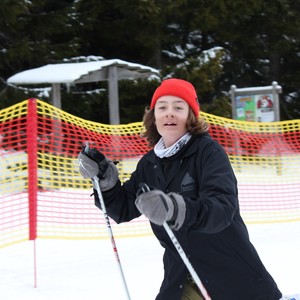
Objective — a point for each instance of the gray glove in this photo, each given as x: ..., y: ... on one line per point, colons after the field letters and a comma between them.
x: 159, y: 207
x: 93, y: 163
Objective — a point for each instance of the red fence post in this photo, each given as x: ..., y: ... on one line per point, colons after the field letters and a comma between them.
x: 32, y: 166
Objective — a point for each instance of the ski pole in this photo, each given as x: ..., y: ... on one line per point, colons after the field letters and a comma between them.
x: 186, y: 262
x: 145, y: 188
x: 97, y: 187
x: 108, y: 226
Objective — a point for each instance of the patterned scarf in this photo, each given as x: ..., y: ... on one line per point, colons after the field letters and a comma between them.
x: 161, y: 151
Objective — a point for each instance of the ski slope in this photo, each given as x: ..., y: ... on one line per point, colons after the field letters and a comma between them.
x: 87, y: 269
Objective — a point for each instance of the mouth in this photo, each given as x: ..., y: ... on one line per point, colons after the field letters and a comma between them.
x: 169, y: 124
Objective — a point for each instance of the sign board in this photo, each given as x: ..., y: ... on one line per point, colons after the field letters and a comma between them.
x: 257, y: 104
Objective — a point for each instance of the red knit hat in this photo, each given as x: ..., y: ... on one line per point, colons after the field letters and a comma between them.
x: 179, y: 88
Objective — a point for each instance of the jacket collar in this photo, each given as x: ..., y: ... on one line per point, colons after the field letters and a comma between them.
x: 189, y: 149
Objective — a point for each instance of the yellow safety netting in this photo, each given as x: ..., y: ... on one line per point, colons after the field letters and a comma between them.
x: 42, y: 193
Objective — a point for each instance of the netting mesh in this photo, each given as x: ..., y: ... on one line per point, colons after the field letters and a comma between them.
x: 43, y: 195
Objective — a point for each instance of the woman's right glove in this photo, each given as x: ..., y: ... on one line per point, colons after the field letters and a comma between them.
x: 93, y: 163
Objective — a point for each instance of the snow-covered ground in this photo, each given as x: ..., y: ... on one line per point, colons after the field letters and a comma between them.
x: 87, y: 269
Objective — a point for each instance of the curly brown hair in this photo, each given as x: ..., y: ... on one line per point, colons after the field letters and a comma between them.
x: 194, y: 126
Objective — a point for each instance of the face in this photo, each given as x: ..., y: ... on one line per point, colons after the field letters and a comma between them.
x: 171, y: 115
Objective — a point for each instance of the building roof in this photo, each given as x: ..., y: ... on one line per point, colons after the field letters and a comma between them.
x: 81, y: 72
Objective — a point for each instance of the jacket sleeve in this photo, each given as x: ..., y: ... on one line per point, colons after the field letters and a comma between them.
x: 120, y: 201
x: 217, y: 200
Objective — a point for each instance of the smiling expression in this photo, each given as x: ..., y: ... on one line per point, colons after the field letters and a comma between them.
x: 171, y: 115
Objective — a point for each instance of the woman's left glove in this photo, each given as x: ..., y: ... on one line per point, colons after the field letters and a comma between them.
x: 159, y: 207
x: 93, y: 163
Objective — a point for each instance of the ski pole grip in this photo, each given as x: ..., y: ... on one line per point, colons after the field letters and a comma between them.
x: 87, y: 148
x: 143, y: 188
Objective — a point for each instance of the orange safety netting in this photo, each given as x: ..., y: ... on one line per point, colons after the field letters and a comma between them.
x: 43, y: 195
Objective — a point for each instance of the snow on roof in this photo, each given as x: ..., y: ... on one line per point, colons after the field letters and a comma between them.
x: 74, y: 72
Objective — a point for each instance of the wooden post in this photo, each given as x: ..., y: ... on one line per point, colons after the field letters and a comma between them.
x: 113, y: 96
x: 56, y: 97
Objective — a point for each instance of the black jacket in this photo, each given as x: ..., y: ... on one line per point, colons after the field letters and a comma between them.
x: 213, y: 235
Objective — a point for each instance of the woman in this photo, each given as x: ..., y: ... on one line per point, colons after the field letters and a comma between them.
x: 194, y: 189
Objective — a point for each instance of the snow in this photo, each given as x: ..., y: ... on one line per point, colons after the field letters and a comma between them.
x: 87, y: 269
x: 70, y: 72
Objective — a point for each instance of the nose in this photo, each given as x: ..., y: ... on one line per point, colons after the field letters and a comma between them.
x: 169, y: 112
